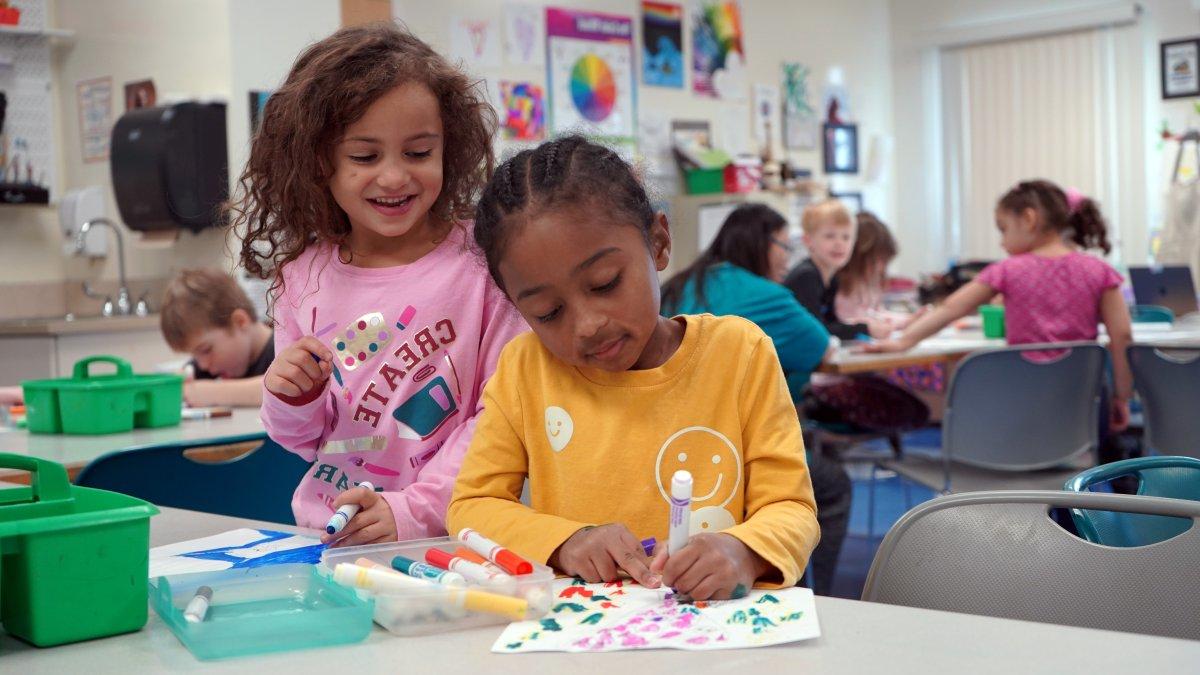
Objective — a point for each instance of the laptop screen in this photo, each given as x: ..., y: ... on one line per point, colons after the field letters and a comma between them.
x: 1169, y: 287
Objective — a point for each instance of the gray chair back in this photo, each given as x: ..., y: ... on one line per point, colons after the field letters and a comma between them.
x: 1168, y: 382
x: 1007, y: 412
x: 1000, y: 554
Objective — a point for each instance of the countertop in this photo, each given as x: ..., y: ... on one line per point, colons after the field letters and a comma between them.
x: 61, y: 326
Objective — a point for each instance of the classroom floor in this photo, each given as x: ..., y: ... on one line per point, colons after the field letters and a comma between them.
x: 891, y: 502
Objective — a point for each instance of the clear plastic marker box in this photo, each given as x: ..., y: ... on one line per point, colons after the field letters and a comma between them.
x: 440, y: 609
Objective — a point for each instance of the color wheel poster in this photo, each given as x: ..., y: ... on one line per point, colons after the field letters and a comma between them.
x: 590, y: 71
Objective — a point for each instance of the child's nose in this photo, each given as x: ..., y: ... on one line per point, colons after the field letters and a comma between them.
x: 589, y: 323
x: 393, y: 175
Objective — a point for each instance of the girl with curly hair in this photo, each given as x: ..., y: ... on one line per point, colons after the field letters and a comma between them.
x: 355, y: 202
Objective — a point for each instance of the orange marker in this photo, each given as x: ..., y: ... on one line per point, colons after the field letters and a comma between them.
x: 506, y: 559
x: 467, y: 554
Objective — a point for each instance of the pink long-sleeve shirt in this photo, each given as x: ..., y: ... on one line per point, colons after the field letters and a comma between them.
x: 413, y: 347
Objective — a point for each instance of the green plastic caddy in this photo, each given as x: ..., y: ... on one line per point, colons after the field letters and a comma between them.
x: 73, y: 561
x: 102, y: 404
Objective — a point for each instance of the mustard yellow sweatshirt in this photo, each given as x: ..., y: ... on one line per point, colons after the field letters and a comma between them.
x: 600, y: 447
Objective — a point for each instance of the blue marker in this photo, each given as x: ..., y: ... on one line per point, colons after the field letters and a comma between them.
x: 422, y: 570
x: 344, y: 514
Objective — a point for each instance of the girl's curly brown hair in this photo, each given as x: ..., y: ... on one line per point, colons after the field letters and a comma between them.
x: 284, y: 203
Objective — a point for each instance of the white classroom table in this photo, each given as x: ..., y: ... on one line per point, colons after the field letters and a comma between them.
x: 75, y: 452
x: 858, y: 637
x: 952, y: 344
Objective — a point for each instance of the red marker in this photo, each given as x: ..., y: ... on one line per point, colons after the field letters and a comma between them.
x: 507, y: 560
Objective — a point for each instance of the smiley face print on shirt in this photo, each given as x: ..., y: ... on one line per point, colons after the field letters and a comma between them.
x: 716, y: 468
x: 559, y: 427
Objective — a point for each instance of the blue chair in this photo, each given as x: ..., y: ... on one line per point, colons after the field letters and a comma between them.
x: 257, y: 485
x: 1151, y: 314
x: 1168, y: 382
x: 1175, y: 477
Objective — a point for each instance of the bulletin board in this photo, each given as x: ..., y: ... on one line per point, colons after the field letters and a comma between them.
x: 27, y: 143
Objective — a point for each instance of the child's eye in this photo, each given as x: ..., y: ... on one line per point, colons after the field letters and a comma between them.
x: 420, y: 155
x: 609, y: 286
x: 361, y: 159
x: 547, y: 318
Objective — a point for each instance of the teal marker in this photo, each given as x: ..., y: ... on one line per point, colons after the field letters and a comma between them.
x: 422, y: 570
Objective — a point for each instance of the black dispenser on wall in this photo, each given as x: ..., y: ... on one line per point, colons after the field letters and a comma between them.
x: 170, y: 168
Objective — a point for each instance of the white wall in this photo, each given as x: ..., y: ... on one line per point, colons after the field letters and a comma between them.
x: 922, y: 233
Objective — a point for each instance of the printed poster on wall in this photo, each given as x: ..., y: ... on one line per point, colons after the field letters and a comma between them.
x: 590, y: 74
x: 718, y: 51
x: 662, y: 44
x: 95, y: 117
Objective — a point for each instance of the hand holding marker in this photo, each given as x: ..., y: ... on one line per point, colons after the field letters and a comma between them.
x: 681, y: 506
x: 344, y: 514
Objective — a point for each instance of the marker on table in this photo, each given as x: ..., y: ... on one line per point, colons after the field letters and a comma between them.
x: 473, y: 572
x: 508, y: 561
x: 648, y: 545
x: 376, y: 579
x: 344, y: 514
x: 197, y: 607
x: 422, y: 570
x: 467, y: 554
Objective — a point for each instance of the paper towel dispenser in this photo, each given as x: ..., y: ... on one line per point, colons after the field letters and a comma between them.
x: 170, y: 168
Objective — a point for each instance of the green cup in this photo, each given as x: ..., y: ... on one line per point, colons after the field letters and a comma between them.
x: 993, y: 320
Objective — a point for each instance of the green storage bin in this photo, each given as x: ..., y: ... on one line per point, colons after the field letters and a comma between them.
x: 73, y: 560
x: 705, y: 181
x: 102, y: 404
x: 993, y: 320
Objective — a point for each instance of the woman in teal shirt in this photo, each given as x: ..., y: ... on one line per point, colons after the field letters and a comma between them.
x: 739, y: 274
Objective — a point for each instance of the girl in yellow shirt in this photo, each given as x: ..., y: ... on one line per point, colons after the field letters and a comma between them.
x: 605, y: 400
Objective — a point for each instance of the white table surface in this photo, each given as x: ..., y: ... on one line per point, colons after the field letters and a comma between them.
x: 955, y: 342
x: 858, y: 637
x: 71, y: 450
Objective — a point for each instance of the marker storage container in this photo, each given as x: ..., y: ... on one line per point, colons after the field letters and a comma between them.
x: 102, y: 404
x: 441, y: 609
x: 73, y: 560
x: 256, y: 610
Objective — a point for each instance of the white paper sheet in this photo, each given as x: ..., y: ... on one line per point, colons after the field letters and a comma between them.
x: 234, y: 549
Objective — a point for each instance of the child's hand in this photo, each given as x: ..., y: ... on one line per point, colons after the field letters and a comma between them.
x: 879, y: 327
x: 1118, y: 418
x: 201, y: 393
x: 373, y: 524
x: 898, y: 344
x: 713, y: 566
x: 295, y: 372
x: 596, y: 553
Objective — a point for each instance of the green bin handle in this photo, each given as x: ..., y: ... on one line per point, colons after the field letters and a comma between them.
x: 124, y: 370
x: 48, y: 479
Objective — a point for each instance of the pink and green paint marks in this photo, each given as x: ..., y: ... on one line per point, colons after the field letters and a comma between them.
x: 623, y: 615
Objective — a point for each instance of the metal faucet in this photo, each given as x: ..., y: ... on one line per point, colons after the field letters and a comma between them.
x: 124, y: 306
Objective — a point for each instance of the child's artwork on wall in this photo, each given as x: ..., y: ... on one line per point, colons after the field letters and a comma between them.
x: 766, y: 115
x: 619, y: 616
x: 94, y: 99
x: 800, y: 119
x: 718, y: 56
x: 524, y: 34
x: 523, y: 108
x: 476, y: 42
x: 590, y: 71
x: 662, y: 44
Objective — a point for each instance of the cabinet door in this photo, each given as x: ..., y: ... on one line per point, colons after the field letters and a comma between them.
x: 26, y: 357
x: 144, y: 350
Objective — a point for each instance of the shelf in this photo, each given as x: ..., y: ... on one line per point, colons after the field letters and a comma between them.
x: 54, y: 33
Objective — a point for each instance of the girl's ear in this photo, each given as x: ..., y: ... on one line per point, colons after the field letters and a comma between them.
x: 1029, y: 219
x: 660, y: 241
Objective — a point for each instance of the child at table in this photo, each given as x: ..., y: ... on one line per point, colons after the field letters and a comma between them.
x: 207, y: 314
x: 1053, y: 291
x: 606, y: 400
x: 356, y: 197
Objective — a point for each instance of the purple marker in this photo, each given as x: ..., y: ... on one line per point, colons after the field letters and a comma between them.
x: 648, y: 545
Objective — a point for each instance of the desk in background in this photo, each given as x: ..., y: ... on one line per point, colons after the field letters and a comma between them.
x: 74, y: 452
x: 857, y: 637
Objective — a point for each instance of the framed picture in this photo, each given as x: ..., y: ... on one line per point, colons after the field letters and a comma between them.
x: 841, y: 148
x: 1180, y: 68
x: 852, y: 200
